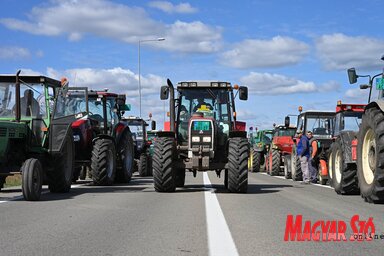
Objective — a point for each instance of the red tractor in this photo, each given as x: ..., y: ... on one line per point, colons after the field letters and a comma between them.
x: 342, y: 162
x: 204, y: 136
x: 103, y: 143
x: 278, y: 157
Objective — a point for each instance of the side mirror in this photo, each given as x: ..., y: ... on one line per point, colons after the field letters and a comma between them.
x: 125, y: 107
x: 287, y: 121
x: 121, y: 100
x: 352, y: 76
x: 243, y: 93
x: 153, y: 125
x: 164, y: 92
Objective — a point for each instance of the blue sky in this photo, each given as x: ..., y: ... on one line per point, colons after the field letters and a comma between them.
x: 288, y: 53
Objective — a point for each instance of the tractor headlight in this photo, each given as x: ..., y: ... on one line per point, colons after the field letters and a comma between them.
x: 207, y: 139
x: 195, y: 139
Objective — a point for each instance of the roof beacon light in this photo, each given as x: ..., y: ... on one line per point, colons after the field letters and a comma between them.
x: 236, y: 87
x: 300, y: 108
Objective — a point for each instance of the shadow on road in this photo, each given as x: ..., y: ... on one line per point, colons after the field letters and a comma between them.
x: 255, y: 188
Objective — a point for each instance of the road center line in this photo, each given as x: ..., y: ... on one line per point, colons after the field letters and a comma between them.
x: 220, y: 241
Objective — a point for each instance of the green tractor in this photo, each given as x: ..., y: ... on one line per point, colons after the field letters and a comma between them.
x: 260, y: 144
x: 204, y: 136
x: 32, y: 141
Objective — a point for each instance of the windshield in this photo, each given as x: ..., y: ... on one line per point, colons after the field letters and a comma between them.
x: 348, y: 121
x: 285, y: 132
x: 320, y: 125
x: 212, y: 102
x: 136, y: 127
x: 33, y: 103
x: 71, y: 103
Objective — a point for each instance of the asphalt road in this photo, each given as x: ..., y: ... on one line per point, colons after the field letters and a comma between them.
x: 200, y: 219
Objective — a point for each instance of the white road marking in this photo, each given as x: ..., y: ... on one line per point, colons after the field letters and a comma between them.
x: 283, y: 178
x: 44, y: 192
x: 220, y: 241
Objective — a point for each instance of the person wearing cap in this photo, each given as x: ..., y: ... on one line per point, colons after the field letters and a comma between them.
x: 312, y: 163
x: 303, y: 154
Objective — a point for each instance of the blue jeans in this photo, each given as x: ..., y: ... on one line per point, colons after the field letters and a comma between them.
x: 304, y: 168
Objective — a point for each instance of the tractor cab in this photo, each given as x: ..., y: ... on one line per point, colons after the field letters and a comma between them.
x: 348, y: 117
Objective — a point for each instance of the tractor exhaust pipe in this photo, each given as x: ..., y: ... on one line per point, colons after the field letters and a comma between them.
x: 17, y: 89
x: 171, y: 105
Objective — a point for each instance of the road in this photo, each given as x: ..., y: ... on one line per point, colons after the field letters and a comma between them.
x: 199, y: 219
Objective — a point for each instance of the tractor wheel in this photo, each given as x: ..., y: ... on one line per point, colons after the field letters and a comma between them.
x: 164, y: 173
x: 331, y: 165
x: 344, y: 175
x: 370, y: 154
x: 226, y: 178
x: 275, y: 170
x: 256, y: 156
x: 83, y: 173
x: 237, y: 165
x: 103, y: 162
x: 32, y: 179
x: 126, y: 153
x: 296, y: 172
x: 61, y: 178
x: 287, y: 167
x: 76, y: 174
x: 143, y: 165
x: 180, y: 178
x: 2, y: 181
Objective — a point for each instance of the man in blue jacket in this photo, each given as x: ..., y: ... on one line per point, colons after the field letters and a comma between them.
x: 303, y: 154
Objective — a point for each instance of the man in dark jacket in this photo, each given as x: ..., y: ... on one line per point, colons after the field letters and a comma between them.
x: 312, y: 163
x: 303, y: 154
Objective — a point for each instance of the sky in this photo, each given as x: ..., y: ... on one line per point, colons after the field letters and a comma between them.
x: 289, y: 53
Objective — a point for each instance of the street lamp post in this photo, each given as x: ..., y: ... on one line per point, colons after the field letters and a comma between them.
x: 143, y: 41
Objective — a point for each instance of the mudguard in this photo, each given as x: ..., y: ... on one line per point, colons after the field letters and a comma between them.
x: 346, y: 138
x: 377, y: 103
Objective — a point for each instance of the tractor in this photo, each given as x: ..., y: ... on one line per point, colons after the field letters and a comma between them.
x: 278, y: 158
x: 143, y: 158
x: 342, y: 164
x: 321, y: 125
x: 204, y: 136
x: 33, y: 142
x: 369, y: 143
x: 103, y: 142
x: 260, y: 143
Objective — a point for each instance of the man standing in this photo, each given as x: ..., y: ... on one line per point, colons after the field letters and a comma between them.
x: 312, y: 157
x: 303, y: 154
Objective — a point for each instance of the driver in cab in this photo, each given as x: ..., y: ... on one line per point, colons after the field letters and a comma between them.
x: 202, y: 106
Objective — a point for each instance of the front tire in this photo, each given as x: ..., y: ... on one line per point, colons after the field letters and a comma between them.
x: 296, y: 172
x: 275, y: 169
x: 370, y: 154
x: 126, y: 154
x: 60, y: 178
x: 164, y: 173
x: 256, y: 161
x: 32, y: 179
x: 103, y: 162
x: 238, y: 165
x: 287, y: 167
x: 143, y: 165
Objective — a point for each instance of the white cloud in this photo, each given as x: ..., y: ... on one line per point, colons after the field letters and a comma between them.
x: 14, y: 53
x: 277, y: 52
x: 275, y: 84
x: 340, y: 52
x: 102, y: 18
x: 168, y: 7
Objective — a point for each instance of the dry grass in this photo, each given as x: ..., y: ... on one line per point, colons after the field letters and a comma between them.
x: 13, y: 181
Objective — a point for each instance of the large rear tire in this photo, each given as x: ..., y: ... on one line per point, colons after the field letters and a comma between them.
x: 60, y: 178
x: 344, y: 175
x: 126, y: 154
x: 296, y: 172
x: 143, y: 165
x: 275, y: 170
x: 287, y: 167
x: 370, y: 156
x: 103, y: 162
x: 256, y: 161
x: 164, y: 173
x: 32, y: 179
x: 238, y: 165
